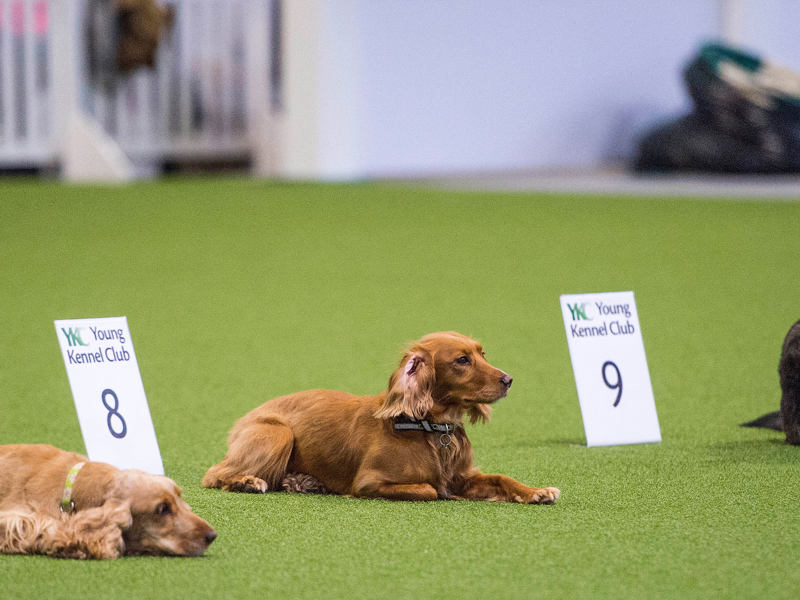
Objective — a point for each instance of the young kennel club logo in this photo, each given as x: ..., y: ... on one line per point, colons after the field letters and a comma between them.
x: 73, y: 335
x: 610, y: 368
x: 108, y: 393
x: 578, y: 311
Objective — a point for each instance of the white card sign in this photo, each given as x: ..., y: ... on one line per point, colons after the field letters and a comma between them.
x: 608, y: 360
x: 109, y: 394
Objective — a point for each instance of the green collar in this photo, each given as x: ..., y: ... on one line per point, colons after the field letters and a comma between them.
x: 67, y: 505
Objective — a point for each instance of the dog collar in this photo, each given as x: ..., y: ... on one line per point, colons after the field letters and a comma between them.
x: 67, y: 504
x: 406, y: 423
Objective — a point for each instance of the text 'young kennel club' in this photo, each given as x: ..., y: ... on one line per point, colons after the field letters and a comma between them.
x: 60, y: 504
x: 407, y: 443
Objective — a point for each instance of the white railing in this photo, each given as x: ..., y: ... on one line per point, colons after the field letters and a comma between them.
x: 25, y: 90
x: 209, y: 84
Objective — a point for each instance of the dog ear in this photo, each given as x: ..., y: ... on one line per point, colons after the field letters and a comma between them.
x: 479, y: 412
x: 119, y: 514
x: 410, y: 387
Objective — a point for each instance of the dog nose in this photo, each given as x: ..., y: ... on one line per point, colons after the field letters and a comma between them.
x: 506, y: 380
x: 211, y: 536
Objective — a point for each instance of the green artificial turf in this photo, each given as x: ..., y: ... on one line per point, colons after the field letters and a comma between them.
x: 239, y: 291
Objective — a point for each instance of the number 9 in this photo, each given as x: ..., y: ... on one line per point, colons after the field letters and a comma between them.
x: 617, y: 385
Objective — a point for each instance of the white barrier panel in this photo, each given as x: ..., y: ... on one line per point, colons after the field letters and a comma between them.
x: 195, y: 103
x: 25, y: 90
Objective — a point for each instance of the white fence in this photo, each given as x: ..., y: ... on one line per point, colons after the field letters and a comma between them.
x: 210, y: 83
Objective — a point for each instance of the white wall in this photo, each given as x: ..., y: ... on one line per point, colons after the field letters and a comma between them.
x: 452, y: 85
x: 414, y: 87
x: 769, y: 27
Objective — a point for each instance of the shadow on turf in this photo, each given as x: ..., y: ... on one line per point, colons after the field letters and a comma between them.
x: 771, y: 451
x: 539, y: 443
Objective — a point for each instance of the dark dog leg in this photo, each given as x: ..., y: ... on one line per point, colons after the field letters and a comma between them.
x: 771, y: 420
x: 789, y: 370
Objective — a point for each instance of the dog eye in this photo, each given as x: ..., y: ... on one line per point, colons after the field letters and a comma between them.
x: 164, y: 509
x: 463, y: 360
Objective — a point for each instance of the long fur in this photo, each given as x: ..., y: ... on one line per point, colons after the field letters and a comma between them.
x: 95, y: 533
x: 410, y: 387
x: 117, y: 512
x: 322, y: 440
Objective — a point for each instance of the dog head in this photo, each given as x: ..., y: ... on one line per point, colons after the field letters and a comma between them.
x: 447, y: 372
x: 141, y: 25
x: 162, y: 523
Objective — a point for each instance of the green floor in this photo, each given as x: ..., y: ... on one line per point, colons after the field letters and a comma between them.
x: 238, y: 291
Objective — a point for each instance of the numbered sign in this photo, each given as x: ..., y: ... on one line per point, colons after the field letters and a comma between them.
x: 109, y: 394
x: 608, y: 360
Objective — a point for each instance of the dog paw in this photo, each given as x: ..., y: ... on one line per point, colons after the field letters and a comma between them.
x: 300, y: 483
x: 109, y: 546
x: 539, y: 496
x: 247, y: 484
x: 544, y: 496
x: 72, y: 551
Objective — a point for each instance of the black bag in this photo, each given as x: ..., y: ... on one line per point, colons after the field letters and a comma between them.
x: 746, y: 119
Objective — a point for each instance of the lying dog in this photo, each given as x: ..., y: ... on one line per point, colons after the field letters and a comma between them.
x: 50, y: 505
x: 787, y: 419
x: 407, y: 443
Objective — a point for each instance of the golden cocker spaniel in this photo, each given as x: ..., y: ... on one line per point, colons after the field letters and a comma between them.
x: 60, y: 504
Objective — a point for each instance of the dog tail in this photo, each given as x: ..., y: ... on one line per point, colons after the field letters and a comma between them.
x: 771, y: 420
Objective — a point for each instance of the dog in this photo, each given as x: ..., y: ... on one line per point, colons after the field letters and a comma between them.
x: 142, y: 25
x: 787, y: 419
x: 407, y: 443
x: 50, y: 505
x: 124, y: 35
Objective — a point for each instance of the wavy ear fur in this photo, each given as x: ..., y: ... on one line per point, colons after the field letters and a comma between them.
x: 479, y: 412
x: 410, y: 387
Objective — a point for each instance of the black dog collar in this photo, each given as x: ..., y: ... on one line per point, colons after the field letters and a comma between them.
x: 406, y: 423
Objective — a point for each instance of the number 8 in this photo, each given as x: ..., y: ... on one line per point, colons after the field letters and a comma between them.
x: 618, y: 384
x: 114, y: 412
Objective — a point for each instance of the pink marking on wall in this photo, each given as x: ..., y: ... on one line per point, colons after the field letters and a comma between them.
x: 18, y: 18
x: 40, y: 18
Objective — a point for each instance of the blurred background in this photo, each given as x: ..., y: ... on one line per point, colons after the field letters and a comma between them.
x: 356, y: 89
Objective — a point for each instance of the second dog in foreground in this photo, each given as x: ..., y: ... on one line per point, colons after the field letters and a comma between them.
x: 60, y: 504
x: 407, y: 443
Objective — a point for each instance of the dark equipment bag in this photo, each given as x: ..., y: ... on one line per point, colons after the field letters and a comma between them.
x: 746, y: 119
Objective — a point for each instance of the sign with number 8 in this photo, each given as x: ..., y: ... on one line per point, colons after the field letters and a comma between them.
x: 108, y: 393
